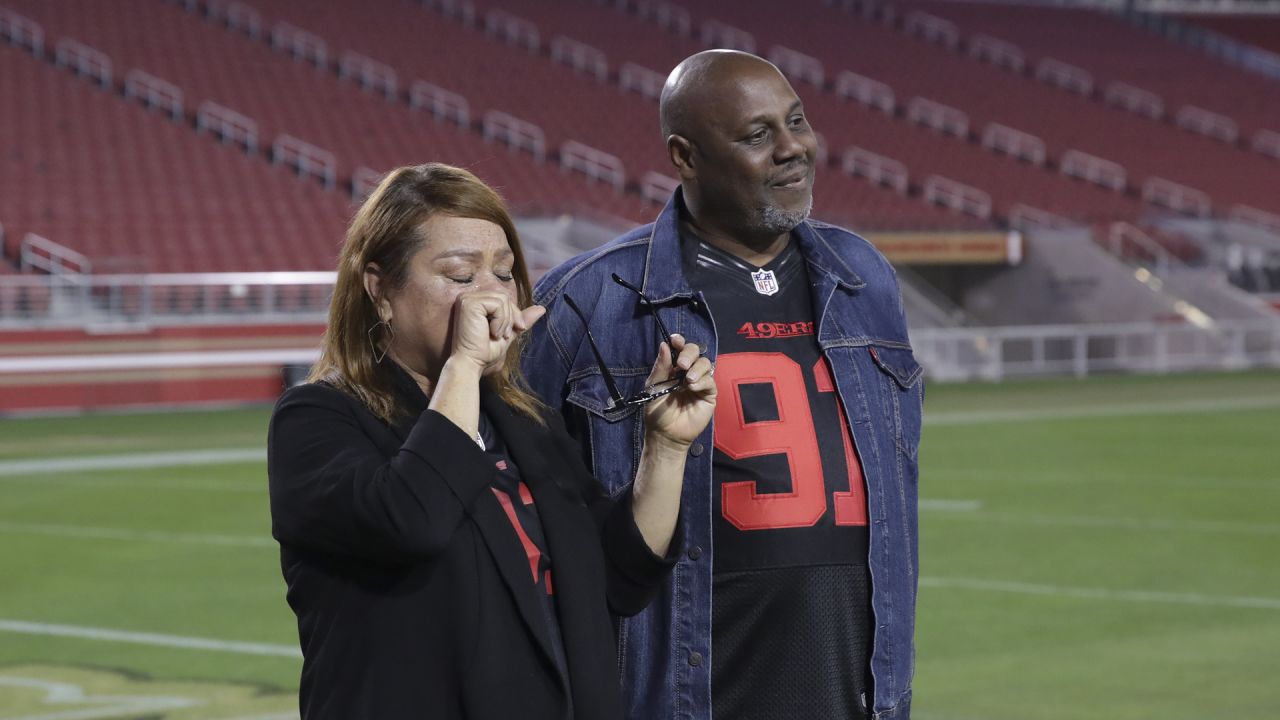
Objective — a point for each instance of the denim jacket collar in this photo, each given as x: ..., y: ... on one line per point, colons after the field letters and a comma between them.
x: 664, y: 279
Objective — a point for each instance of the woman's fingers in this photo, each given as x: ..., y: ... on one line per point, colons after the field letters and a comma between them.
x: 698, y: 377
x: 689, y: 352
x: 661, y: 365
x: 485, y: 324
x: 527, y: 317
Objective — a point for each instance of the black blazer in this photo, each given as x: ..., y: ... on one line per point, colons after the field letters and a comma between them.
x: 411, y: 587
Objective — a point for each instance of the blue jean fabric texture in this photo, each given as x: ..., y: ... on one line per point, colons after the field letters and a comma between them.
x: 664, y: 652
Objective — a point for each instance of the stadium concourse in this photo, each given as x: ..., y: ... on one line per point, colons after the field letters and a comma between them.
x: 149, y: 144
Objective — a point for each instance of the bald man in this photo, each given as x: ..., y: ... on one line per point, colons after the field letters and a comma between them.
x: 793, y: 593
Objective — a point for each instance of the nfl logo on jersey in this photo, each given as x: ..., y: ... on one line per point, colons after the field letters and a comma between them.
x: 766, y: 283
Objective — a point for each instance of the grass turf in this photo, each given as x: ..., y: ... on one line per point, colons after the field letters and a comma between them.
x: 1113, y: 556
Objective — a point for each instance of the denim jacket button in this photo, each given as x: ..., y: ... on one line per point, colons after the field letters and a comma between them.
x: 695, y: 552
x: 695, y: 658
x: 696, y: 449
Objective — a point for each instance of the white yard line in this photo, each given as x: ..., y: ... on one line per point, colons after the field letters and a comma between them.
x: 104, y: 533
x: 88, y: 480
x: 145, y: 638
x: 1155, y: 407
x: 1127, y: 523
x: 101, y: 706
x: 1085, y: 593
x: 134, y: 461
x: 950, y: 505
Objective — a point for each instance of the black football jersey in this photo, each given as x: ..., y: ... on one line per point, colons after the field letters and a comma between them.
x: 791, y: 611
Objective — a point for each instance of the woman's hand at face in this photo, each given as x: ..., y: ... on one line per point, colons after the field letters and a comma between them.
x: 681, y: 416
x: 485, y: 323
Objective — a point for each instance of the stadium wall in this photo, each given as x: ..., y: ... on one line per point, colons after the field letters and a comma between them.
x: 80, y: 370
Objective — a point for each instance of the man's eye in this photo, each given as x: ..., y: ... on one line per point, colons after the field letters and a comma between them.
x: 462, y: 280
x: 757, y: 137
x: 798, y: 121
x: 504, y: 277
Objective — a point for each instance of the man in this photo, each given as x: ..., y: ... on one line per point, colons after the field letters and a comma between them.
x: 787, y: 603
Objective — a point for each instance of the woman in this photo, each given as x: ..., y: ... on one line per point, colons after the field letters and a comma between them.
x: 447, y: 553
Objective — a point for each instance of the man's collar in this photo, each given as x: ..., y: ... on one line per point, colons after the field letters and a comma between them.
x: 822, y: 258
x: 663, y: 268
x: 663, y: 273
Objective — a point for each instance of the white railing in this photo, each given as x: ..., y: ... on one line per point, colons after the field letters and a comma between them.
x: 229, y: 125
x: 963, y: 198
x: 871, y: 93
x: 43, y: 255
x: 363, y: 182
x: 21, y: 31
x: 943, y: 118
x: 1010, y: 141
x: 305, y: 158
x: 300, y: 44
x: 656, y: 187
x: 236, y: 16
x: 83, y: 61
x: 50, y: 301
x: 1093, y: 169
x: 1028, y: 217
x: 878, y: 169
x: 797, y: 66
x: 1266, y: 142
x: 667, y: 16
x: 640, y: 79
x: 932, y: 28
x: 1178, y: 198
x: 516, y: 133
x: 368, y: 73
x: 1127, y: 241
x: 962, y: 353
x: 1067, y: 77
x: 580, y: 56
x: 1135, y: 100
x: 514, y: 30
x: 595, y: 164
x: 717, y: 34
x: 461, y: 10
x: 1082, y: 350
x: 443, y: 104
x: 998, y: 52
x: 154, y: 92
x: 1207, y: 123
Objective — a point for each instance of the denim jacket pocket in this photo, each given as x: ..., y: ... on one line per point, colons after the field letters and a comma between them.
x: 590, y: 393
x: 906, y: 392
x: 612, y: 431
x: 899, y: 362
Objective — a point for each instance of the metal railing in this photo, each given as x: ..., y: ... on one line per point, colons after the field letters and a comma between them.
x: 959, y: 353
x: 996, y: 353
x: 47, y: 301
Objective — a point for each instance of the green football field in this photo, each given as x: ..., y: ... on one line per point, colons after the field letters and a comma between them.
x: 1107, y: 548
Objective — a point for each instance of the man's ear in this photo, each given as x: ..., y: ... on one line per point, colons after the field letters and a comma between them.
x: 680, y: 151
x: 373, y: 288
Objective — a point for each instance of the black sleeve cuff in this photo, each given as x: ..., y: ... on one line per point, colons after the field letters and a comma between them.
x: 458, y: 460
x: 635, y: 572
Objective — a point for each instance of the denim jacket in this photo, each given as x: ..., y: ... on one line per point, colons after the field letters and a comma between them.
x: 664, y: 652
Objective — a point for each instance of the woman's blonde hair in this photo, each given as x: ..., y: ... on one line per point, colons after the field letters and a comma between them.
x: 386, y: 232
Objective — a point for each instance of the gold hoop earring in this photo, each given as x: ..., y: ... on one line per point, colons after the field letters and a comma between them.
x: 391, y: 337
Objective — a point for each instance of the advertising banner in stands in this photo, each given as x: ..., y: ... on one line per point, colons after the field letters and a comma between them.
x: 950, y: 248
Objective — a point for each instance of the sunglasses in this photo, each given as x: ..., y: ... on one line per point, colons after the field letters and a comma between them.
x: 650, y: 392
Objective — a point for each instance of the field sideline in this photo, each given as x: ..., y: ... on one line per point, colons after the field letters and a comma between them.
x: 1102, y: 548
